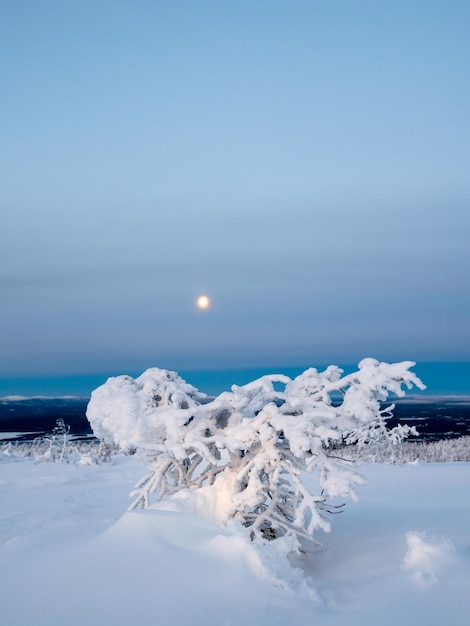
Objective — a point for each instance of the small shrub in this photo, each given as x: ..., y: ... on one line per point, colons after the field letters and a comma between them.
x: 244, y: 454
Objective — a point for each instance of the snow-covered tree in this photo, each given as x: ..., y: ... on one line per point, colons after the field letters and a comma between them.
x: 245, y: 454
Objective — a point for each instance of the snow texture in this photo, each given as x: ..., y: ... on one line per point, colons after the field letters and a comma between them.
x: 70, y: 557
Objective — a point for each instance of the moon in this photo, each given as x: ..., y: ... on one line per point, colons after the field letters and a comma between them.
x: 203, y: 302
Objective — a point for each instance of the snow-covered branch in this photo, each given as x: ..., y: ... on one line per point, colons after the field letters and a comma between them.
x: 247, y: 450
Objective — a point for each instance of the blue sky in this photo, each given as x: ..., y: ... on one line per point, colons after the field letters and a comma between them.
x: 303, y: 163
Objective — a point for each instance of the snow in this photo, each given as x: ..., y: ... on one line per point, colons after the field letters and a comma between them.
x: 71, y: 554
x: 428, y: 559
x: 41, y: 397
x: 14, y: 435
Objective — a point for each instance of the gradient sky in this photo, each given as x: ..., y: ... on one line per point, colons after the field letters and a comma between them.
x: 304, y: 163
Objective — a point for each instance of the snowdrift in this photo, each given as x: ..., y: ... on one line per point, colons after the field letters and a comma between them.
x: 71, y: 557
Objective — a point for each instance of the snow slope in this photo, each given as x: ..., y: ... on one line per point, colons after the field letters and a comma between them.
x: 70, y: 555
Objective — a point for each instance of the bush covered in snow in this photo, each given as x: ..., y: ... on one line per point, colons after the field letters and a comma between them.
x: 442, y: 451
x: 59, y: 447
x: 97, y: 452
x: 244, y: 454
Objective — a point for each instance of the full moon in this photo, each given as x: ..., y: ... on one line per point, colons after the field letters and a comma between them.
x: 203, y: 302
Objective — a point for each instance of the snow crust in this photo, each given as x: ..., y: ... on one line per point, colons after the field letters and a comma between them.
x: 71, y: 557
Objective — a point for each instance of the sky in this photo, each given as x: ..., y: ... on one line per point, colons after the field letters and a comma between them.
x: 304, y: 164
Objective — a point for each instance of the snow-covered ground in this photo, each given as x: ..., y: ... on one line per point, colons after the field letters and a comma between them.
x: 70, y: 554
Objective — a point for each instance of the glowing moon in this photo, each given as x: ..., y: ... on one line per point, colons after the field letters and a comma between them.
x: 203, y: 302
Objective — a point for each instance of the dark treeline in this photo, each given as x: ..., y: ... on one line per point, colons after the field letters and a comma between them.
x: 443, y: 418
